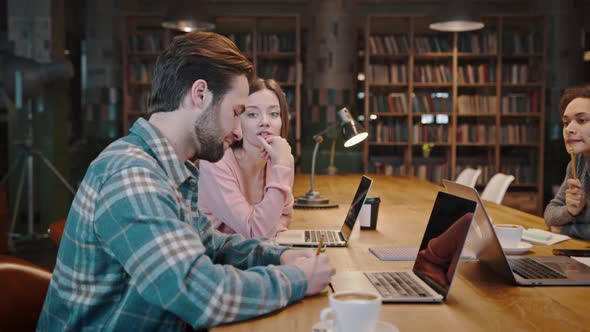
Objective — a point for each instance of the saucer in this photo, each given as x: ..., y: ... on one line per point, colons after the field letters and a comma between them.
x: 520, y: 249
x: 381, y: 327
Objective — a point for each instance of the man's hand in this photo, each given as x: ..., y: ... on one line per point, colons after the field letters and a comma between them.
x: 556, y: 229
x: 318, y: 272
x: 316, y: 268
x: 575, y: 198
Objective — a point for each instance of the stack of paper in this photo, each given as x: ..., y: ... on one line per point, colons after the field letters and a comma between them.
x: 539, y: 236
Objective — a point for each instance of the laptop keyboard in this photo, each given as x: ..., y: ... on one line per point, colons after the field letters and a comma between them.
x: 329, y: 236
x: 531, y: 269
x: 396, y: 284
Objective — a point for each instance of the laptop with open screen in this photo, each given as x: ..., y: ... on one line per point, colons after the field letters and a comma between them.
x: 521, y: 270
x: 332, y: 238
x: 436, y: 264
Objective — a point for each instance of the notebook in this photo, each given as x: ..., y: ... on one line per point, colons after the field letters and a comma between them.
x: 521, y: 270
x: 436, y: 263
x: 332, y: 238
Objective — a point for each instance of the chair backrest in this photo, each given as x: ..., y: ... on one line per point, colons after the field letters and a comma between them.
x: 23, y: 286
x: 468, y: 177
x: 55, y: 232
x: 497, y: 187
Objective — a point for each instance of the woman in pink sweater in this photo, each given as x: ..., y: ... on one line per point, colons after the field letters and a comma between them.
x: 249, y: 190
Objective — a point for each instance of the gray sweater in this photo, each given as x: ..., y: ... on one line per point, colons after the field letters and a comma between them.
x: 556, y: 213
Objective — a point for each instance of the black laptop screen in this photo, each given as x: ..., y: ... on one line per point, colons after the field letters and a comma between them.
x: 443, y: 241
x: 355, y: 207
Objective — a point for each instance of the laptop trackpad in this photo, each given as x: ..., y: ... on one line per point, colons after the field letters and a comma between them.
x: 290, y: 236
x: 352, y: 281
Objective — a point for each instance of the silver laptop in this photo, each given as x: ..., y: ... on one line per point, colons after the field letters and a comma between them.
x: 332, y: 238
x: 436, y: 264
x: 521, y: 270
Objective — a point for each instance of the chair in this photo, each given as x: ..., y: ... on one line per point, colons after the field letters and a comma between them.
x: 496, y: 188
x: 55, y: 232
x: 23, y: 286
x: 468, y: 176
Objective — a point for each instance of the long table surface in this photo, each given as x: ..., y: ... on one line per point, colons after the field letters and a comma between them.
x: 479, y: 299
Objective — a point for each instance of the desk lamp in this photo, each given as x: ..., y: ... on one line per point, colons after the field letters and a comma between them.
x: 353, y: 133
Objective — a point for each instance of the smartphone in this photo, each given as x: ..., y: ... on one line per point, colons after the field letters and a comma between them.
x: 572, y: 252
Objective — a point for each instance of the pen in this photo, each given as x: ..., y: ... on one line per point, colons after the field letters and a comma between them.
x: 574, y: 172
x: 317, y: 253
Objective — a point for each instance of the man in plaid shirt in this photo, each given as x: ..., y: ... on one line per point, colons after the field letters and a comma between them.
x: 136, y: 253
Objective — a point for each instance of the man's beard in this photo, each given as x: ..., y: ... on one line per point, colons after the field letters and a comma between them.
x: 208, y: 137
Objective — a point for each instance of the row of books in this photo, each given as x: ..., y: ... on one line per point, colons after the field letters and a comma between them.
x: 140, y: 71
x: 436, y: 102
x: 430, y: 133
x: 138, y: 102
x: 485, y: 42
x: 396, y: 102
x: 242, y: 40
x: 273, y: 42
x: 432, y: 73
x: 433, y: 43
x: 439, y: 73
x: 265, y: 42
x: 482, y: 73
x: 524, y: 172
x: 478, y: 104
x: 519, y: 133
x: 387, y: 165
x: 386, y: 74
x: 521, y: 73
x: 388, y: 131
x: 522, y: 43
x: 475, y: 133
x: 521, y: 102
x: 431, y: 172
x: 280, y: 71
x: 150, y: 42
x: 389, y: 44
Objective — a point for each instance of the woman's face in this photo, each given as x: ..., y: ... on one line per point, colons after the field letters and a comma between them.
x: 262, y: 117
x: 576, y: 126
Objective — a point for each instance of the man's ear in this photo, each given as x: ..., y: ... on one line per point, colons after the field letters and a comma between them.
x: 200, y: 93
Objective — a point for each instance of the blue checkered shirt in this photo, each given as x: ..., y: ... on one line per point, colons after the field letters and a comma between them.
x: 137, y: 254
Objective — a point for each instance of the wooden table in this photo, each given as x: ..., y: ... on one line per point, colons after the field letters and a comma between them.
x: 479, y: 300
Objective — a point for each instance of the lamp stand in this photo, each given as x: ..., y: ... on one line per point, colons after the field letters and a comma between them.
x: 312, y: 199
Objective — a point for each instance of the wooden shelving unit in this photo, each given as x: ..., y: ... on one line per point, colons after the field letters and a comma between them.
x: 439, y: 102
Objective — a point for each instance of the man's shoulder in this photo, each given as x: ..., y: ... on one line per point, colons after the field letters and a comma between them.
x: 123, y: 154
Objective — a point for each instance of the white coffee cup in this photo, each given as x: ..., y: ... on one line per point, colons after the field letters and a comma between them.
x: 353, y: 311
x: 509, y: 235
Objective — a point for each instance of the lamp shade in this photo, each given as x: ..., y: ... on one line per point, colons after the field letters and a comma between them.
x: 457, y: 16
x: 352, y: 131
x: 187, y: 16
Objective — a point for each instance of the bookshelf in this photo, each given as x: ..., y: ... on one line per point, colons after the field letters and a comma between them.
x: 144, y: 40
x: 271, y: 42
x: 437, y: 103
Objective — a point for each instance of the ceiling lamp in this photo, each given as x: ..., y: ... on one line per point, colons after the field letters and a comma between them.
x: 187, y: 16
x: 457, y: 16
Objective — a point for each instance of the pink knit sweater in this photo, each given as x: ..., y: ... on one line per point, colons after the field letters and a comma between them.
x: 223, y: 200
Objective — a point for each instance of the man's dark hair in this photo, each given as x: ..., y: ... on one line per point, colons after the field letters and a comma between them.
x: 571, y: 94
x: 196, y: 55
